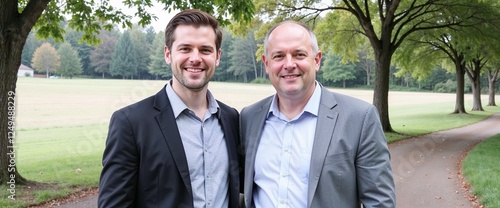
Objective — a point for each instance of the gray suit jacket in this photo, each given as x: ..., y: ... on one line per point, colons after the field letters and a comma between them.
x: 350, y: 161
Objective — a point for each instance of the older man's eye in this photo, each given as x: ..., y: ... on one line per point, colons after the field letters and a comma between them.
x: 278, y: 56
x: 301, y: 55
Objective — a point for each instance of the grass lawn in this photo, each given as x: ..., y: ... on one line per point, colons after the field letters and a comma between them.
x: 481, y: 168
x: 62, y: 124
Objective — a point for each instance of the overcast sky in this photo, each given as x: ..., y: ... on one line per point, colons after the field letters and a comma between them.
x: 157, y: 9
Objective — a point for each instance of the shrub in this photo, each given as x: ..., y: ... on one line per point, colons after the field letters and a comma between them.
x: 261, y: 81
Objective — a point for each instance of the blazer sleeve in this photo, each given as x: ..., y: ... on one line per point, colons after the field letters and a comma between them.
x: 117, y: 187
x: 375, y: 180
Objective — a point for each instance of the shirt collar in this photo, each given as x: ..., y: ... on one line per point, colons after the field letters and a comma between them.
x: 178, y: 106
x: 311, y: 107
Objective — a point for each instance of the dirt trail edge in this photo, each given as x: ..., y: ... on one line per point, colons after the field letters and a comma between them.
x: 427, y: 168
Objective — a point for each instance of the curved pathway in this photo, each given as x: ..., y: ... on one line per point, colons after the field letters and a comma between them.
x: 426, y: 168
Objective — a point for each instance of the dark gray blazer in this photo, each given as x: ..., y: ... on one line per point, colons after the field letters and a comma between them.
x: 144, y: 160
x: 350, y: 161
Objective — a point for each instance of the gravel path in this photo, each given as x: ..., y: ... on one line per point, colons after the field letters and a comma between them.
x: 426, y: 168
x: 86, y: 202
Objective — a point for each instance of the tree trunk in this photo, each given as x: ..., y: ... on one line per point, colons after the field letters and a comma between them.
x: 476, y: 94
x: 254, y: 62
x: 491, y: 93
x: 368, y: 70
x: 460, y: 75
x: 14, y: 30
x: 10, y: 53
x: 492, y: 78
x: 474, y: 74
x: 381, y: 88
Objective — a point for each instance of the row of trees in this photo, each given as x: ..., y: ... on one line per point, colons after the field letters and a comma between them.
x: 138, y: 53
x: 65, y: 60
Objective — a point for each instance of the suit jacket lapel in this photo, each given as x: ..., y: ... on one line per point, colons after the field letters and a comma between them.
x: 168, y: 126
x: 230, y: 136
x: 252, y: 142
x: 327, y: 118
x: 257, y: 128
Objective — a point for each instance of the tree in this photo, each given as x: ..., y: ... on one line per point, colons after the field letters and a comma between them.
x: 242, y: 56
x: 71, y: 64
x: 473, y: 71
x: 222, y: 74
x: 19, y: 17
x: 158, y: 67
x: 430, y: 50
x: 100, y: 58
x: 46, y: 59
x: 29, y: 49
x: 124, y: 59
x: 366, y: 61
x: 493, y: 77
x: 334, y: 70
x: 385, y: 24
x: 83, y: 49
x: 151, y: 34
x: 436, y: 76
x: 493, y: 66
x: 141, y: 48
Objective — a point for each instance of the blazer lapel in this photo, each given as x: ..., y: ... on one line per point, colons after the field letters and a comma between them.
x: 168, y: 126
x: 327, y: 118
x: 254, y: 133
x: 229, y: 138
x: 256, y: 130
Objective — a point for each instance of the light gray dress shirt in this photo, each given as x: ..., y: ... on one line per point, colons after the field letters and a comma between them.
x: 206, y: 151
x: 283, y: 156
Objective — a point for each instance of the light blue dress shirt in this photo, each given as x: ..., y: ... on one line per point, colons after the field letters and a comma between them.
x: 206, y: 151
x: 283, y: 156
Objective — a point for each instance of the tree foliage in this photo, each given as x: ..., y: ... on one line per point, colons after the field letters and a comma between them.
x: 336, y: 71
x: 83, y: 49
x: 242, y: 56
x: 462, y: 51
x: 158, y: 67
x: 221, y: 73
x: 141, y: 47
x: 124, y: 59
x: 71, y: 64
x: 101, y: 56
x: 29, y: 48
x: 46, y: 59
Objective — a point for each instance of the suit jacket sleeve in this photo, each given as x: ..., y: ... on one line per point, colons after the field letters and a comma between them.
x: 120, y: 160
x: 375, y: 182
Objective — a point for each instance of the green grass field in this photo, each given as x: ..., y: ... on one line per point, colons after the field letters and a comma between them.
x: 481, y: 168
x: 62, y: 123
